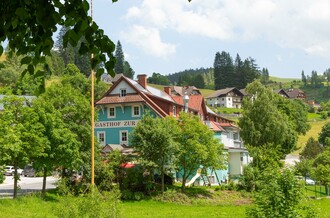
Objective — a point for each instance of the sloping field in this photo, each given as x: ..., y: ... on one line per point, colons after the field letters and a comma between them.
x: 316, y: 127
x: 282, y: 80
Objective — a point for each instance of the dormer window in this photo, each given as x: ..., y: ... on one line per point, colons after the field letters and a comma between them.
x: 122, y: 92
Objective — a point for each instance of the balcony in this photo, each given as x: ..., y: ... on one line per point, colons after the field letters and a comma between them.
x: 238, y: 144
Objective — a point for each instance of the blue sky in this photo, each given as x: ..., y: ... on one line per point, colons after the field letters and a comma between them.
x: 170, y: 36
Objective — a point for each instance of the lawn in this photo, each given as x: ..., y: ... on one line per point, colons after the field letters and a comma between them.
x: 225, y: 204
x: 150, y: 208
x: 316, y: 127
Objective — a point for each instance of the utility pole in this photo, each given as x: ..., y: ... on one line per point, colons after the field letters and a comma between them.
x: 92, y: 108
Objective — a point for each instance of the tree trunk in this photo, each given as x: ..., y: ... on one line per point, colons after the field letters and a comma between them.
x: 15, y: 181
x: 43, y: 192
x: 162, y: 181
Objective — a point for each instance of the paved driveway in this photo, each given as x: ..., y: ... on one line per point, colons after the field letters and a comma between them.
x: 26, y: 185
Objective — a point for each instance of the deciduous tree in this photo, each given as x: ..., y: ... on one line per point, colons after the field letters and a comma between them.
x: 21, y: 134
x: 29, y: 27
x: 269, y: 119
x: 311, y: 150
x: 198, y: 148
x: 324, y: 136
x: 155, y: 141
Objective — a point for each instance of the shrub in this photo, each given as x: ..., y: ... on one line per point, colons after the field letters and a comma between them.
x: 93, y: 204
x: 232, y: 186
x: 324, y: 115
x: 135, y: 180
x: 174, y: 197
x: 280, y: 195
x: 129, y: 195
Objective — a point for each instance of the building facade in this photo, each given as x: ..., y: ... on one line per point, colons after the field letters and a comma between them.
x: 124, y: 104
x: 228, y: 98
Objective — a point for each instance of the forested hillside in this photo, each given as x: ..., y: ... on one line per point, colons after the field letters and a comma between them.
x: 225, y: 73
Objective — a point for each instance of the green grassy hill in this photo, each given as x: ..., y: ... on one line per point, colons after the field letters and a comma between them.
x: 282, y: 80
x: 316, y: 127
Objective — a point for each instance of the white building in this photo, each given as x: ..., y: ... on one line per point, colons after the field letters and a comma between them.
x: 228, y: 98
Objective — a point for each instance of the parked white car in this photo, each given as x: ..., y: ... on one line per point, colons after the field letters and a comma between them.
x: 10, y: 170
x: 309, y: 181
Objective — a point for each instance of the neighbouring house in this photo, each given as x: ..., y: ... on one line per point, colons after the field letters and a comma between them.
x: 228, y: 98
x: 296, y: 94
x: 124, y: 104
x: 313, y: 104
x: 282, y: 93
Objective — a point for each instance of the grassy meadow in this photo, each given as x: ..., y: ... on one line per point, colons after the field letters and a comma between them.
x: 218, y: 203
x: 316, y: 127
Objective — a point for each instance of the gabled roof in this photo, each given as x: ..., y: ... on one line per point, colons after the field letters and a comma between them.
x: 295, y: 93
x: 223, y: 92
x: 149, y: 94
x: 194, y: 103
x: 214, y: 126
x: 141, y: 96
x: 181, y: 91
x: 282, y: 92
x: 228, y: 126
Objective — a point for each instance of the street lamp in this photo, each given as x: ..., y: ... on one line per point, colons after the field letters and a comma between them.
x: 185, y: 102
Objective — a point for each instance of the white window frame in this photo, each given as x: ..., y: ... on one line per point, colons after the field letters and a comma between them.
x: 104, y: 137
x: 121, y: 137
x: 123, y: 92
x: 114, y: 112
x: 133, y: 107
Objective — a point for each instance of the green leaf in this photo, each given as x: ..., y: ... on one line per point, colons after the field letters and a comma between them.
x: 21, y: 13
x: 14, y: 23
x: 31, y: 69
x: 99, y: 73
x: 26, y: 60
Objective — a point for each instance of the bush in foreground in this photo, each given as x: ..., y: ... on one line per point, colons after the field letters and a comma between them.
x: 281, y: 194
x: 93, y: 204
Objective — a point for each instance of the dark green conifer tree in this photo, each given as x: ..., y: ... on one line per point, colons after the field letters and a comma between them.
x: 120, y: 59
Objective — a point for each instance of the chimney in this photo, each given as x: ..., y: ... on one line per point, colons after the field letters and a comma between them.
x: 142, y: 80
x: 167, y: 89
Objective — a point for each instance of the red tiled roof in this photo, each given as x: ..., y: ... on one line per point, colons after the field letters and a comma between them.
x: 117, y: 99
x: 227, y: 125
x: 214, y: 126
x: 195, y: 101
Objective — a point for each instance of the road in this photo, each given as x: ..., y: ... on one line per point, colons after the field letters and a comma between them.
x: 26, y: 185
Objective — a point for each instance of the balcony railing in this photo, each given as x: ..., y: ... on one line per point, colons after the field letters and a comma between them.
x: 237, y: 144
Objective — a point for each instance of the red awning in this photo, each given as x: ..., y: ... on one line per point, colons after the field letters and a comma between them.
x: 127, y: 165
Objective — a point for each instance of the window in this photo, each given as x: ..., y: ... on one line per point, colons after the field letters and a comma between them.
x: 135, y: 111
x: 124, y: 137
x: 101, y: 138
x: 111, y: 112
x: 223, y: 99
x: 236, y: 136
x: 122, y: 92
x: 174, y: 111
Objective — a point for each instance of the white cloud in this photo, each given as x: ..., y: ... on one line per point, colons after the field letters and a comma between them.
x: 300, y: 24
x: 148, y: 39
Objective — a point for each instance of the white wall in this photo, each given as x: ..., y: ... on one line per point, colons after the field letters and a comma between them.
x: 123, y: 85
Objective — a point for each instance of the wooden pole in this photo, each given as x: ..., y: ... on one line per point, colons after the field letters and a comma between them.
x: 92, y: 109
